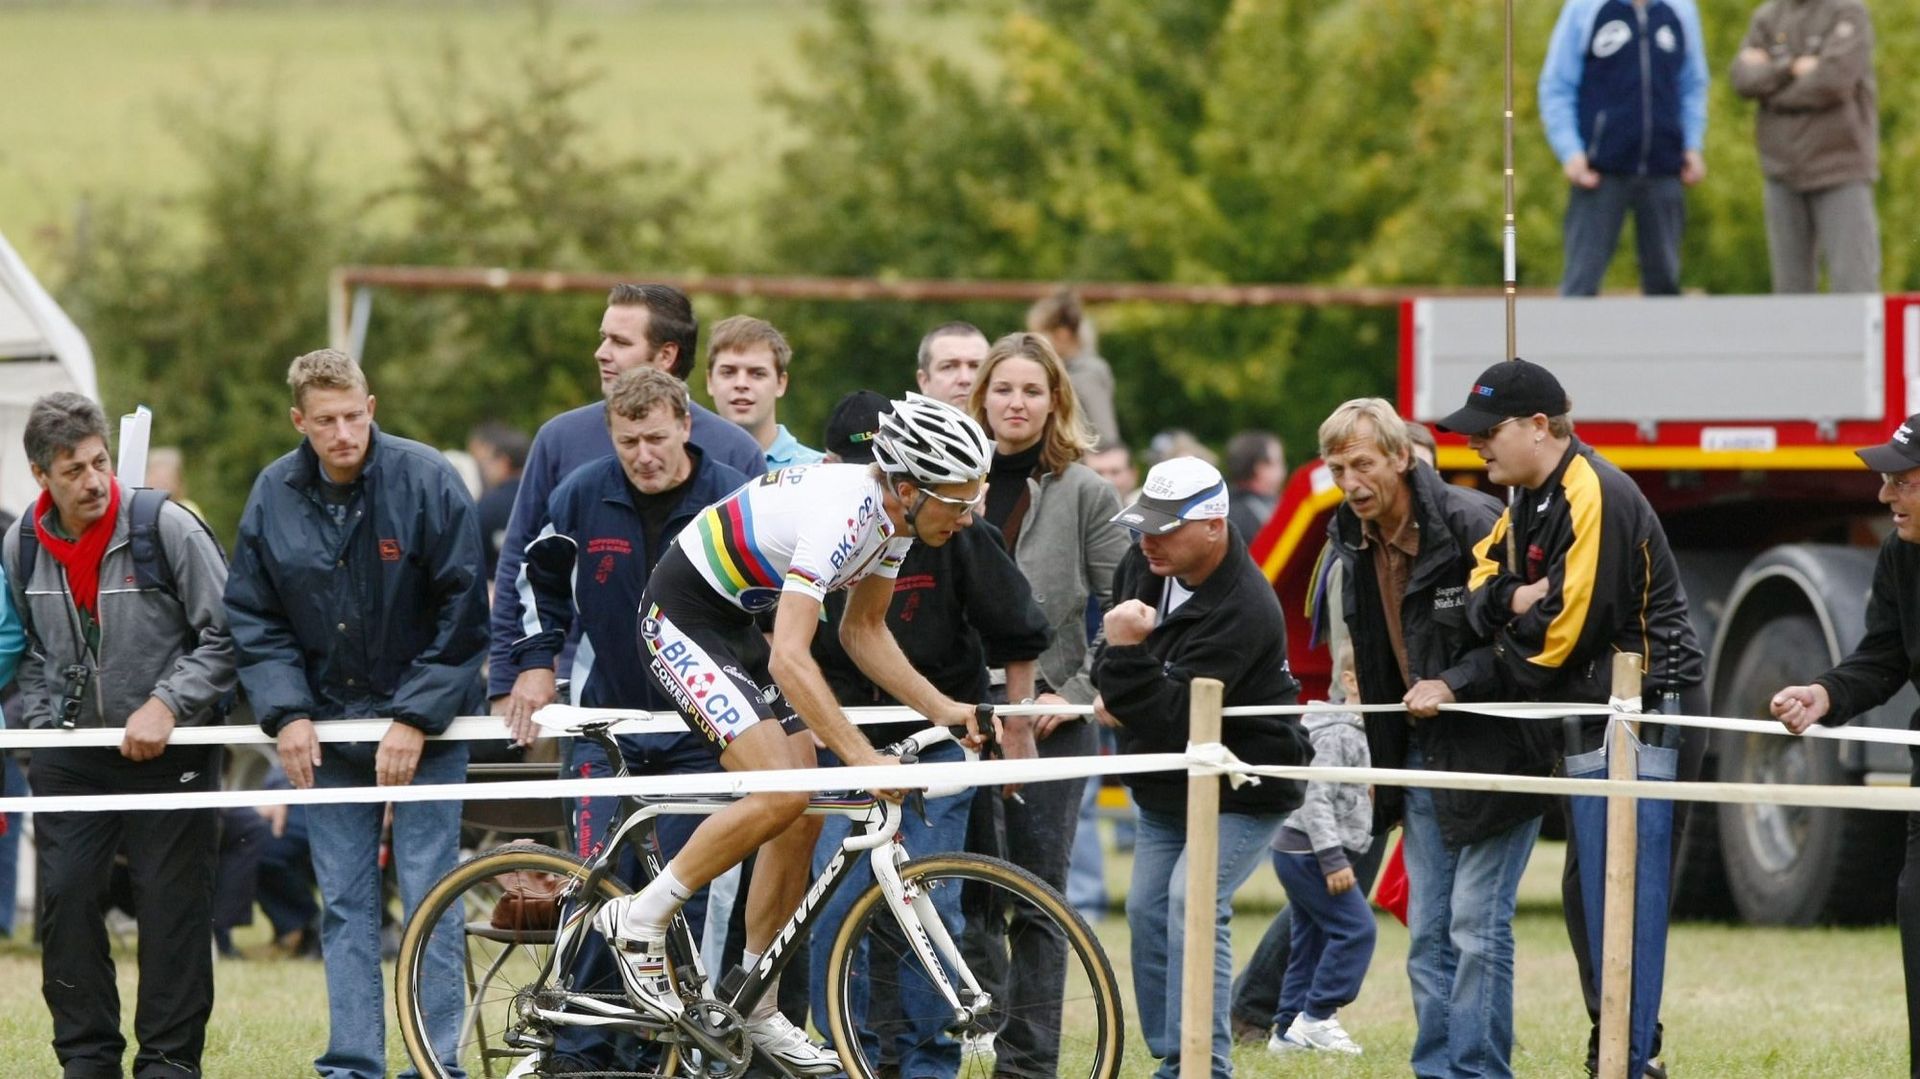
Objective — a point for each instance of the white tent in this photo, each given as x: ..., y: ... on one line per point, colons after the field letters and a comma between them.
x: 41, y: 351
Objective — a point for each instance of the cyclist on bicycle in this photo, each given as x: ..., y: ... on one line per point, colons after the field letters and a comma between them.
x: 779, y: 544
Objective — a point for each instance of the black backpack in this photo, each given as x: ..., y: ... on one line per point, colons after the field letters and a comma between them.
x: 150, y: 566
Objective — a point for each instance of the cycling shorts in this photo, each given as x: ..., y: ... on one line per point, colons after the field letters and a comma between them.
x: 708, y: 656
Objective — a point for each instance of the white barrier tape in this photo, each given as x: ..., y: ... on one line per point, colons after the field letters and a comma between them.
x: 626, y: 721
x: 1215, y: 757
x: 1211, y: 757
x: 1629, y: 705
x: 809, y: 780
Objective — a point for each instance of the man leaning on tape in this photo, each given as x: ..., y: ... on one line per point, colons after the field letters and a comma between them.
x: 358, y: 592
x: 1887, y: 658
x: 1190, y: 603
x: 120, y: 593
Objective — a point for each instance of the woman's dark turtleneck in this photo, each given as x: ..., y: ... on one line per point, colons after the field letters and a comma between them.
x: 1007, y: 481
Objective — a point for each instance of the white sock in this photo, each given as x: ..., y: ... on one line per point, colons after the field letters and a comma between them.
x: 649, y: 912
x: 769, y: 1000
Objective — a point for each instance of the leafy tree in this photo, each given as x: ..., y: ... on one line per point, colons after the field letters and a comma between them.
x: 196, y: 309
x: 200, y: 322
x: 1334, y: 141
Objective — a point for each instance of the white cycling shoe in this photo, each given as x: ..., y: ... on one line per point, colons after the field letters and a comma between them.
x: 643, y: 962
x: 780, y: 1039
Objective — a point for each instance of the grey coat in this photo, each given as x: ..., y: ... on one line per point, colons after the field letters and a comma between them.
x: 1335, y: 815
x: 152, y: 643
x: 1068, y: 548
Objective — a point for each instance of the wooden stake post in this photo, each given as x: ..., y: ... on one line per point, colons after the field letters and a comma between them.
x: 1203, y: 872
x: 1623, y: 853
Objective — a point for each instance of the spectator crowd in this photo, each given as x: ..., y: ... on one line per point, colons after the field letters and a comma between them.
x: 370, y: 578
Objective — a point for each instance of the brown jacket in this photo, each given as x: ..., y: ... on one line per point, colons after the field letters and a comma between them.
x: 1823, y: 128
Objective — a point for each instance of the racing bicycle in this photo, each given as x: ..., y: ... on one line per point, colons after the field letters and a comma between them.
x: 520, y: 975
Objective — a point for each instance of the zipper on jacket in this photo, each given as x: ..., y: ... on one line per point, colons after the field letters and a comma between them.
x: 1593, y: 147
x: 1646, y: 86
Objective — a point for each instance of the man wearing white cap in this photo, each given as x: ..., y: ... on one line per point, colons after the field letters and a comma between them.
x: 1192, y: 604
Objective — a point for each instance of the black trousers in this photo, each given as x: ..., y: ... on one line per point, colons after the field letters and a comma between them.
x: 1908, y: 912
x: 170, y: 858
x: 1692, y: 744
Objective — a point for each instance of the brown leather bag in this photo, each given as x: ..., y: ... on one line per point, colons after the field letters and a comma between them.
x: 529, y: 901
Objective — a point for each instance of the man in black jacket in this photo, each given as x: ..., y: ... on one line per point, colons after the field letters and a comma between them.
x: 1884, y: 660
x: 1405, y: 540
x: 357, y: 591
x: 1592, y: 575
x: 1192, y: 604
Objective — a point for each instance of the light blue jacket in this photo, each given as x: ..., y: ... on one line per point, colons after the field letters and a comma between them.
x: 1572, y: 53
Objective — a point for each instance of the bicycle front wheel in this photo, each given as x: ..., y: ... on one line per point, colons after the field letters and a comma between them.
x: 462, y: 968
x: 1058, y: 1013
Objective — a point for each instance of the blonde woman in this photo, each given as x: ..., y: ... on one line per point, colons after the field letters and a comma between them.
x: 1055, y: 514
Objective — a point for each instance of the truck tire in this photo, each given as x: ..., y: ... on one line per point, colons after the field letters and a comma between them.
x: 1700, y: 889
x: 1788, y: 865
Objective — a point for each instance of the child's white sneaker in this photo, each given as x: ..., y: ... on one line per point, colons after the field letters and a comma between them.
x: 1326, y: 1035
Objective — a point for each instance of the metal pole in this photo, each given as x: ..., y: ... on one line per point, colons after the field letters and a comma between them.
x: 1508, y: 233
x: 1623, y: 854
x: 1203, y: 870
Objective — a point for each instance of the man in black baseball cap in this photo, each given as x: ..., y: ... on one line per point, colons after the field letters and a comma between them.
x: 1509, y: 390
x: 851, y: 426
x: 1897, y: 454
x: 1591, y: 574
x: 1867, y: 678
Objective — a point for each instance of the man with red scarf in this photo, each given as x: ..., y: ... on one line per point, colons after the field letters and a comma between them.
x: 107, y: 649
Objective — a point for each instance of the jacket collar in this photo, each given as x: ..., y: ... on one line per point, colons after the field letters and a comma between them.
x: 696, y: 484
x: 1574, y: 449
x: 1438, y: 549
x: 306, y: 473
x: 1224, y: 580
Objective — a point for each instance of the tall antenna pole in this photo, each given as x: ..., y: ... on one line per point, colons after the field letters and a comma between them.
x: 1512, y: 279
x: 1507, y: 232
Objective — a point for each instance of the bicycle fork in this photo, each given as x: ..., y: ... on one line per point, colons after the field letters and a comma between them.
x: 927, y: 934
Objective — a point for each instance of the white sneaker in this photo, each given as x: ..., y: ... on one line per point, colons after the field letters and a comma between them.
x: 777, y: 1037
x: 1325, y: 1035
x: 1281, y: 1044
x: 977, y: 1046
x: 643, y: 962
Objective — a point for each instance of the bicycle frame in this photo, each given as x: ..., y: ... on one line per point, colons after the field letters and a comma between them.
x: 876, y: 828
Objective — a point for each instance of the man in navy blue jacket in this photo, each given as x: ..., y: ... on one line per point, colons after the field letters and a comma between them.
x: 608, y: 523
x: 1623, y: 95
x: 357, y: 591
x: 644, y: 326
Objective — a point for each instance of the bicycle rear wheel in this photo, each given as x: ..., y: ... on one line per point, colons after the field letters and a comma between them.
x: 883, y: 1011
x: 506, y: 970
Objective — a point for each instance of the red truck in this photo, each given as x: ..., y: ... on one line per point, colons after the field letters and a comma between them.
x: 1738, y: 417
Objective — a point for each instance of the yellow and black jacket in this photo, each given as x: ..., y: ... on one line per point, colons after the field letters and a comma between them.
x: 1614, y: 588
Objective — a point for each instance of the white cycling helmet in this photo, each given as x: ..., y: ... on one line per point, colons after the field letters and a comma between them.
x: 932, y: 442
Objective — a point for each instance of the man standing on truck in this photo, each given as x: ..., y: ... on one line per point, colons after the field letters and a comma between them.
x: 1808, y: 65
x: 1623, y: 96
x: 1592, y: 574
x: 1885, y: 659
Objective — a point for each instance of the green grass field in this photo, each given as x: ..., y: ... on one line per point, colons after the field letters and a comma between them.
x: 1740, y: 1001
x: 88, y: 86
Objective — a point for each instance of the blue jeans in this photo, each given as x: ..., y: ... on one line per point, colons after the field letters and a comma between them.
x: 1086, y: 872
x: 914, y: 1010
x: 1157, y: 918
x: 1256, y: 990
x: 346, y: 861
x: 12, y: 784
x: 1460, y: 949
x: 594, y: 971
x: 1592, y: 231
x: 1332, y: 941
